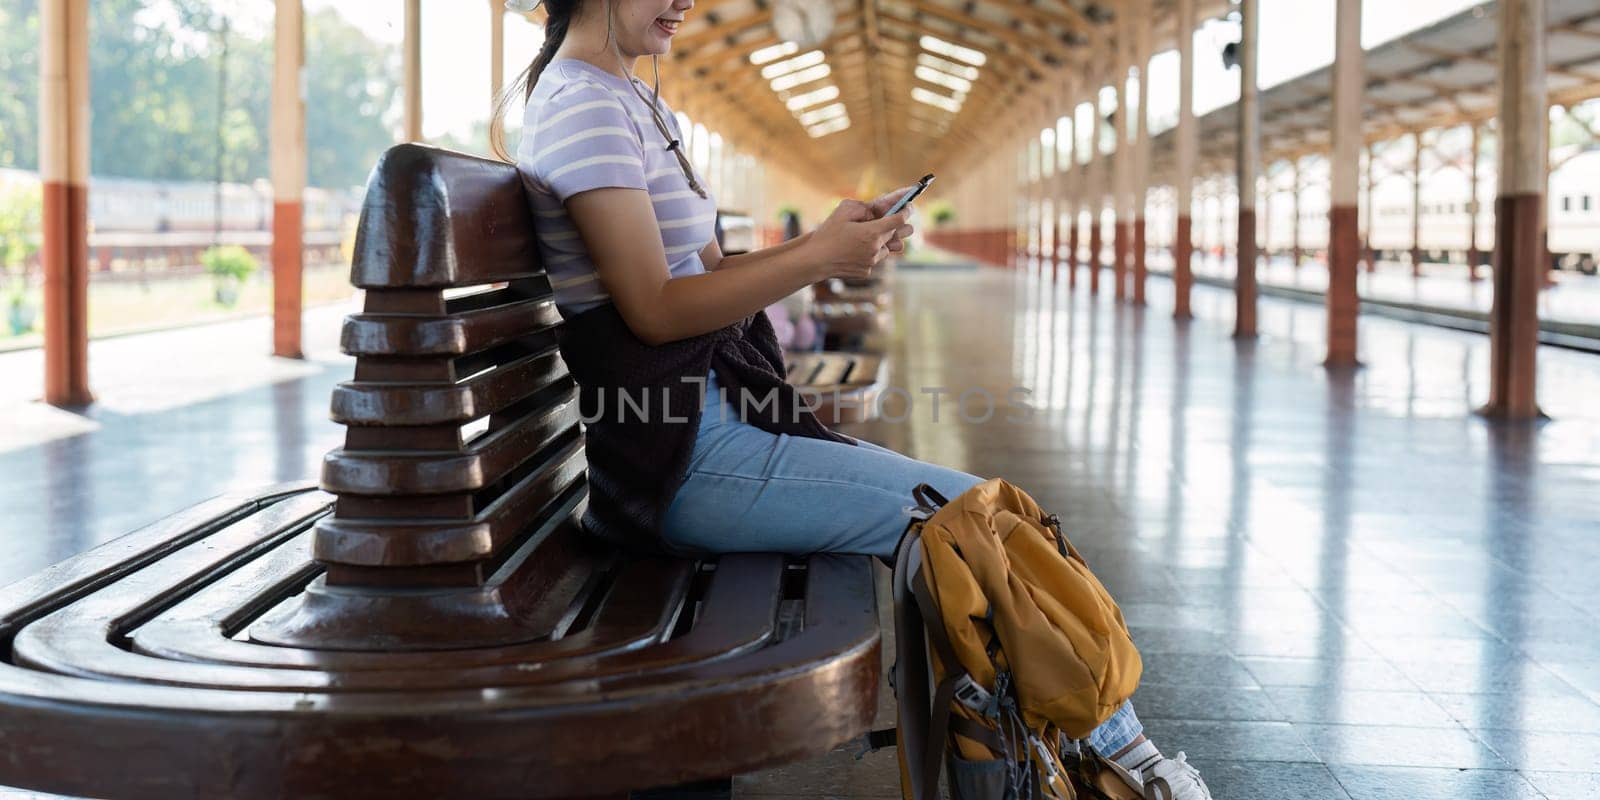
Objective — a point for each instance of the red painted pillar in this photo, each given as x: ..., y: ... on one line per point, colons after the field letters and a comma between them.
x: 1140, y: 182
x: 1519, y: 262
x: 64, y: 172
x: 1096, y: 244
x: 1072, y: 252
x: 1186, y: 146
x: 1344, y: 176
x: 1249, y: 166
x: 1473, y: 254
x: 288, y: 179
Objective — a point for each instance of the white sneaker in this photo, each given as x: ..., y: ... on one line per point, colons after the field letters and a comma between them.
x: 1174, y: 779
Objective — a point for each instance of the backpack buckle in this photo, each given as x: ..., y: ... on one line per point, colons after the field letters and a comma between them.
x: 972, y: 695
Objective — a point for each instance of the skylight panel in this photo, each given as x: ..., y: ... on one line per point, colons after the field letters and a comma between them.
x: 934, y: 44
x: 831, y: 126
x: 945, y: 65
x: 769, y: 54
x: 805, y: 76
x: 789, y: 65
x: 935, y: 99
x: 822, y: 114
x: 948, y: 81
x: 812, y: 98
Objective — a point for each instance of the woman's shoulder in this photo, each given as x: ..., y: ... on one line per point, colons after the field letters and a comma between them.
x: 566, y: 84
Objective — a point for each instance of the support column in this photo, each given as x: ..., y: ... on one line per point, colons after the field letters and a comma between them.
x: 1121, y: 164
x: 1473, y: 256
x: 412, y: 49
x: 1074, y: 185
x: 1141, y: 152
x: 497, y: 52
x: 1366, y: 241
x: 1294, y: 210
x: 1344, y: 178
x: 1249, y: 169
x: 1097, y: 206
x: 288, y: 177
x: 1058, y: 180
x: 1518, y: 208
x: 64, y: 172
x: 1186, y: 146
x: 1416, y: 204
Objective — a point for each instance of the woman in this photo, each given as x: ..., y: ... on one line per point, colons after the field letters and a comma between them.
x: 729, y: 461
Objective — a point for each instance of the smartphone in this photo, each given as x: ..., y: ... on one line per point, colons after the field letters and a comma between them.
x: 911, y: 195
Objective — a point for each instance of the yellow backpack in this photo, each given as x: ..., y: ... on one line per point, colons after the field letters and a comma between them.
x: 1010, y: 651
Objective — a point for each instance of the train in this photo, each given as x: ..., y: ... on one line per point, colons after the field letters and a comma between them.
x: 139, y: 226
x: 1572, y: 216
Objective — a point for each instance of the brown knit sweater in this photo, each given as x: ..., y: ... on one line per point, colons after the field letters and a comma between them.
x: 638, y: 450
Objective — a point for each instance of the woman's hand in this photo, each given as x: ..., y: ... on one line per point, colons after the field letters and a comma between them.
x: 882, y: 205
x: 853, y: 239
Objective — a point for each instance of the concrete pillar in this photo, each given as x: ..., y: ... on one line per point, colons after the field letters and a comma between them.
x: 1416, y: 204
x: 1097, y: 200
x: 1074, y: 184
x: 1058, y: 182
x: 411, y: 47
x: 1473, y: 256
x: 1366, y: 242
x: 288, y: 154
x: 497, y: 51
x: 1344, y: 178
x: 1249, y: 168
x: 1294, y: 211
x: 64, y: 173
x: 1122, y: 163
x: 1518, y: 209
x: 1141, y: 158
x: 1186, y: 145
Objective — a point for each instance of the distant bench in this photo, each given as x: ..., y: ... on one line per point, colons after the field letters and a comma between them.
x: 844, y: 387
x: 431, y: 622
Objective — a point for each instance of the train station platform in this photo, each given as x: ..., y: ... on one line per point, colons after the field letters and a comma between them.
x: 1345, y: 584
x: 1443, y: 294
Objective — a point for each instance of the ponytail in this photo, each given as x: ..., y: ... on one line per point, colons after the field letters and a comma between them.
x: 555, y: 32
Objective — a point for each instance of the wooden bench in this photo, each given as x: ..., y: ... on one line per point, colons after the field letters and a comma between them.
x: 430, y: 622
x: 852, y: 313
x: 843, y: 387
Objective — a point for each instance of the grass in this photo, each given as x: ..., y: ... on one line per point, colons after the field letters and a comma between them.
x: 122, y: 307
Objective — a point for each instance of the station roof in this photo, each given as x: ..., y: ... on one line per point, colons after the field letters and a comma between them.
x: 922, y: 82
x: 1440, y: 76
x: 911, y: 85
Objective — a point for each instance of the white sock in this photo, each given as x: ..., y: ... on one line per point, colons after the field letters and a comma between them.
x: 1138, y: 758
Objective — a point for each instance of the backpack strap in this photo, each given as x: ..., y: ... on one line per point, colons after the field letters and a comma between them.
x: 929, y: 497
x: 943, y: 722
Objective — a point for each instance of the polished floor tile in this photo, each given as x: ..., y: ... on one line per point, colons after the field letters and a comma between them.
x: 1414, y: 783
x: 1345, y: 584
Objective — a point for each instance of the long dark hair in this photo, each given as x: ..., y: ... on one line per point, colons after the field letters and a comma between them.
x: 560, y: 14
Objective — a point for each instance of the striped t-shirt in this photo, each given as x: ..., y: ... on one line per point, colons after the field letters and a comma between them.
x: 585, y: 128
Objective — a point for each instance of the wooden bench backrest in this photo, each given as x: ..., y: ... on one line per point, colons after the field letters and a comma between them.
x: 462, y: 422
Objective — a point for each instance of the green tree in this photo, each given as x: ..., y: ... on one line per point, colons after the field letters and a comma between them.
x: 351, y: 109
x: 154, y: 69
x: 19, y: 74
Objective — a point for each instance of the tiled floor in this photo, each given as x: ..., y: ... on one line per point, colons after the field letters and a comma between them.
x: 1345, y: 585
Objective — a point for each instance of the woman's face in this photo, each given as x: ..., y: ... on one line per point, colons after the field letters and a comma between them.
x: 646, y: 27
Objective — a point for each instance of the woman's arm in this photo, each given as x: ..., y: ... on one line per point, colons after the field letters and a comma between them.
x: 619, y: 229
x: 713, y: 259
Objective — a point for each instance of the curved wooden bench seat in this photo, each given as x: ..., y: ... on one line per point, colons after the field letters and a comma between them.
x: 844, y: 387
x: 429, y: 620
x: 138, y: 654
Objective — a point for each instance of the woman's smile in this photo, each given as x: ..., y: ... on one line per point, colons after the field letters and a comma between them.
x: 667, y: 25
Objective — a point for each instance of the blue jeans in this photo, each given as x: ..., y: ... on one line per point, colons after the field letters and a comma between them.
x: 748, y: 490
